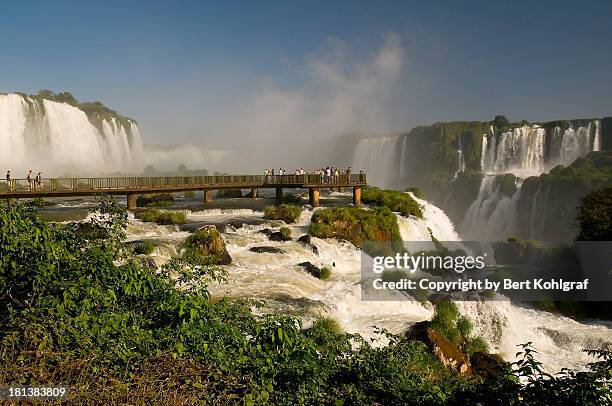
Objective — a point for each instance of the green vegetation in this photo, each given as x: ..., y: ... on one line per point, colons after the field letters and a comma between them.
x: 560, y: 192
x: 506, y: 184
x: 595, y: 216
x: 207, y: 246
x: 229, y: 193
x: 355, y: 225
x: 285, y: 232
x: 394, y: 200
x: 289, y: 213
x: 190, y: 194
x: 96, y: 111
x: 155, y: 200
x: 325, y: 273
x: 119, y: 333
x: 456, y: 328
x: 144, y: 247
x: 162, y: 216
x: 416, y: 191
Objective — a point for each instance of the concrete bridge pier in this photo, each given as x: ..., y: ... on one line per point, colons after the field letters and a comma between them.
x: 207, y: 196
x: 254, y: 193
x: 279, y: 195
x: 131, y: 201
x: 313, y: 196
x: 356, y: 196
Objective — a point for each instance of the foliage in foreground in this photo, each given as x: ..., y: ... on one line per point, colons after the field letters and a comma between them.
x: 162, y: 216
x: 84, y: 313
x: 394, y: 200
x: 289, y: 213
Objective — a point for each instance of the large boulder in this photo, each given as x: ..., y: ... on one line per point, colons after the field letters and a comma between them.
x: 489, y: 365
x: 306, y: 240
x: 278, y: 236
x: 207, y: 241
x: 266, y: 250
x: 447, y: 352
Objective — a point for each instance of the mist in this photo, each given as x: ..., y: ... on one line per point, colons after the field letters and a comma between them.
x: 292, y: 124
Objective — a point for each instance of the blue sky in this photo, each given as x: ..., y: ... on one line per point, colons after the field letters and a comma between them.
x: 204, y: 72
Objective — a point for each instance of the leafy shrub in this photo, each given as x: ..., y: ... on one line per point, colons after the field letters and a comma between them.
x: 151, y: 200
x: 287, y: 212
x: 595, y: 216
x: 325, y: 273
x: 285, y: 231
x: 355, y: 225
x: 144, y: 248
x: 394, y: 200
x: 457, y: 328
x: 162, y: 216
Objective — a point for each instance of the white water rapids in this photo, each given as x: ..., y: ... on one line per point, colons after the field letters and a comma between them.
x: 288, y: 289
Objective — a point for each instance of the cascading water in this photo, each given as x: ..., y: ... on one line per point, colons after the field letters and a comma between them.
x: 287, y: 288
x: 524, y: 151
x: 518, y: 151
x: 378, y: 157
x: 59, y: 138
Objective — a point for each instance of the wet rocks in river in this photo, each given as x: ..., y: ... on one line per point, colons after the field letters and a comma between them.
x: 447, y: 352
x: 311, y: 269
x: 278, y: 236
x: 208, y: 242
x: 266, y: 250
x: 306, y: 240
x: 266, y: 231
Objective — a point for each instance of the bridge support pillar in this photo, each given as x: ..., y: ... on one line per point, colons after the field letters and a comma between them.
x: 279, y: 195
x: 313, y: 196
x: 131, y: 201
x: 254, y: 193
x: 356, y: 196
x: 207, y: 196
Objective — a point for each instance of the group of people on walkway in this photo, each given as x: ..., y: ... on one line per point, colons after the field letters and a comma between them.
x: 329, y: 173
x: 34, y: 183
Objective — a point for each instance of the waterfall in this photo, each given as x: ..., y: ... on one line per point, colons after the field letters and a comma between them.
x: 522, y: 152
x: 378, y: 157
x: 597, y: 137
x: 59, y: 139
x: 460, y: 160
x: 518, y: 151
x: 492, y: 215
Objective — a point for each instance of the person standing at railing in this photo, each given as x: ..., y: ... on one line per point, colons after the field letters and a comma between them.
x: 30, y: 181
x: 9, y: 185
x: 38, y: 180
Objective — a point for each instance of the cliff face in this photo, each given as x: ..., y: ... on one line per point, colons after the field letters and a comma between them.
x: 60, y: 135
x: 450, y: 161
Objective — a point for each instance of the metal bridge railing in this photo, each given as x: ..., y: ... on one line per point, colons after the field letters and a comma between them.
x: 168, y: 182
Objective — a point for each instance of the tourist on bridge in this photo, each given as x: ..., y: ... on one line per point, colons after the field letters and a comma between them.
x: 30, y: 181
x: 348, y: 171
x: 38, y: 181
x: 9, y: 185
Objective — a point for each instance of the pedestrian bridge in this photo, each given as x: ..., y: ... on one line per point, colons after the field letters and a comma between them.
x: 133, y: 186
